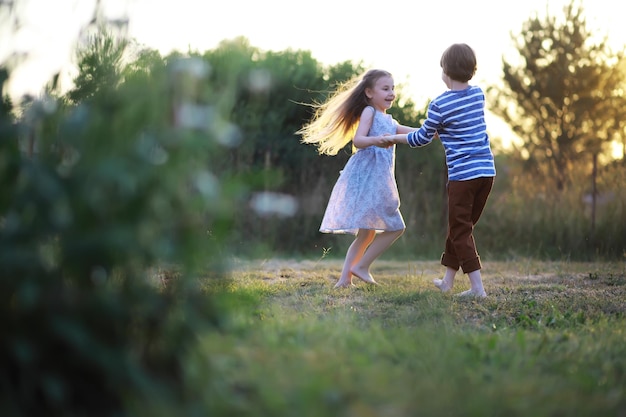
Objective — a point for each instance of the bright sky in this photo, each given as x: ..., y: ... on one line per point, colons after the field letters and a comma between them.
x: 405, y: 38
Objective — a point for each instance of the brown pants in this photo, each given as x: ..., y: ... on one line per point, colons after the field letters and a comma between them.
x: 466, y: 201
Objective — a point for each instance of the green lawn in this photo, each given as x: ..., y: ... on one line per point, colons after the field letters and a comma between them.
x: 550, y: 340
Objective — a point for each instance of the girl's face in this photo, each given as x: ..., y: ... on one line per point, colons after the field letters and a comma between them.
x: 382, y: 95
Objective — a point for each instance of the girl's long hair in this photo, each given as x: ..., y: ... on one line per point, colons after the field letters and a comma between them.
x: 335, y: 121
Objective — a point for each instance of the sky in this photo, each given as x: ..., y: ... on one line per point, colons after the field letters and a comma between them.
x: 405, y: 38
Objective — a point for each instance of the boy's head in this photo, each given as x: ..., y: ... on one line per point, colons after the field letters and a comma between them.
x: 459, y: 62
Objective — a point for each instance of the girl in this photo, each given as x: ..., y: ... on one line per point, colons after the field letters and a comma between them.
x: 365, y: 201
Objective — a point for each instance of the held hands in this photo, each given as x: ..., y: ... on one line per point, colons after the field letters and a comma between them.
x: 384, y: 141
x: 389, y: 140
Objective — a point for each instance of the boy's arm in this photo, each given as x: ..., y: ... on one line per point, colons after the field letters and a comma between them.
x: 403, y: 139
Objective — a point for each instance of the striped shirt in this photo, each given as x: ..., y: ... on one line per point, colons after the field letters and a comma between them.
x: 459, y: 119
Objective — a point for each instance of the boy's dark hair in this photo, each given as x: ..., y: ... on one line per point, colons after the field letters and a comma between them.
x: 459, y: 62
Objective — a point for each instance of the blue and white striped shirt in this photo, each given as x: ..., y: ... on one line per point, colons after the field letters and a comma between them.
x: 459, y: 118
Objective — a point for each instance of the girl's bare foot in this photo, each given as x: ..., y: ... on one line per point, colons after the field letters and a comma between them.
x: 340, y: 284
x: 442, y: 285
x: 364, y: 275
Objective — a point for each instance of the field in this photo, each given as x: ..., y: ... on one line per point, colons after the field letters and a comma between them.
x: 550, y: 340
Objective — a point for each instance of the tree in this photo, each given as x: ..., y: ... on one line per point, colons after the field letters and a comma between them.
x: 564, y: 98
x: 100, y: 64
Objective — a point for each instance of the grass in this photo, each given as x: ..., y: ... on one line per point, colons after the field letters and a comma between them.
x: 550, y: 340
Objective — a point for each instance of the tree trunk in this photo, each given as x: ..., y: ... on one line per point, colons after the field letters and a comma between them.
x: 594, y: 193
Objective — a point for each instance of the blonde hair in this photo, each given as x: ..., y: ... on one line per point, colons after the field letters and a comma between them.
x: 335, y: 121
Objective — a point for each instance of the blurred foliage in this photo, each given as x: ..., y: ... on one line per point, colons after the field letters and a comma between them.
x: 109, y: 216
x: 527, y: 217
x: 564, y: 97
x: 99, y: 65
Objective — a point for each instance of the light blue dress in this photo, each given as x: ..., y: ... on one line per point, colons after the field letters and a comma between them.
x: 366, y: 194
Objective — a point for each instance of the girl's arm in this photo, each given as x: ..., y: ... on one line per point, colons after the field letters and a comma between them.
x: 401, y: 136
x: 398, y: 138
x: 406, y: 129
x: 361, y: 140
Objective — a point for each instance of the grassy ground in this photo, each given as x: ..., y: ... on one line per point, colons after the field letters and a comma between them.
x: 550, y: 340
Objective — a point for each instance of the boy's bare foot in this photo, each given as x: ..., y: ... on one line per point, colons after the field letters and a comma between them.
x: 364, y: 275
x: 340, y: 284
x: 472, y: 294
x: 442, y: 285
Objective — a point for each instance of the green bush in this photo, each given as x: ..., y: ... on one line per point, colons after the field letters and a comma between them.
x: 105, y: 229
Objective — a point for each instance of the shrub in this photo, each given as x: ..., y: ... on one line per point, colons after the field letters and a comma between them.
x: 104, y: 231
